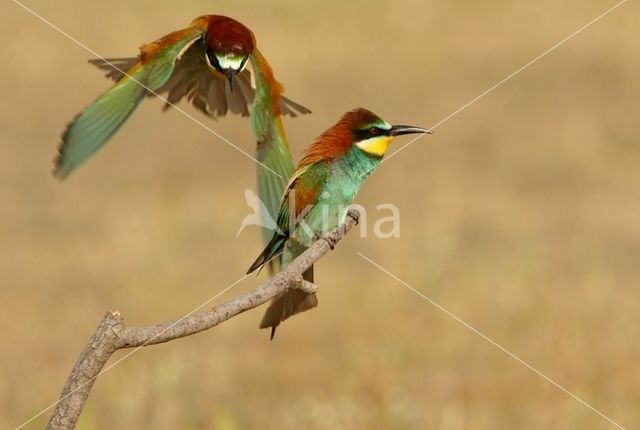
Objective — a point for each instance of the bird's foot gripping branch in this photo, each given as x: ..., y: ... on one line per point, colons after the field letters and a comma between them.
x: 335, y: 235
x: 112, y: 334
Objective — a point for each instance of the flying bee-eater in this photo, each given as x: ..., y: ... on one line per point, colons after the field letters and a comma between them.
x: 207, y: 64
x: 319, y: 194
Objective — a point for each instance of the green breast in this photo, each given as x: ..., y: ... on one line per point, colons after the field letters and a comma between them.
x: 347, y: 174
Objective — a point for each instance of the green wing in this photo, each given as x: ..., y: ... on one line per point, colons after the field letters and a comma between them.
x: 273, y: 151
x: 302, y: 193
x: 93, y: 127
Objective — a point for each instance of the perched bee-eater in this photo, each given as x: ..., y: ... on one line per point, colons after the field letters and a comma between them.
x: 319, y: 194
x: 196, y: 63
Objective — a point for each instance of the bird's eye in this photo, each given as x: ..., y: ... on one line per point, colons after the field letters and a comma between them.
x: 244, y: 62
x: 213, y: 60
x: 373, y: 131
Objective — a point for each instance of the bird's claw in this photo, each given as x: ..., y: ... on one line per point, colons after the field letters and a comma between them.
x: 330, y: 241
x: 354, y: 214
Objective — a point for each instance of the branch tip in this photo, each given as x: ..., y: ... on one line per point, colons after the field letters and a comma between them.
x: 112, y: 334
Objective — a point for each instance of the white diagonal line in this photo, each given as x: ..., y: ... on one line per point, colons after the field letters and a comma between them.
x: 185, y: 113
x: 496, y: 85
x: 488, y: 339
x: 106, y: 369
x: 120, y: 360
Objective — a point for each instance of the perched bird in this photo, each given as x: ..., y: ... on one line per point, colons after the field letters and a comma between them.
x: 194, y: 63
x: 319, y: 194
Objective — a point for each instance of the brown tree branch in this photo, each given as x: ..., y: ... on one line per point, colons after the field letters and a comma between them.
x: 112, y: 334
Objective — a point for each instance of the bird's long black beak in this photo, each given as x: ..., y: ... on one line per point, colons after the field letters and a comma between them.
x: 397, y: 130
x: 230, y: 74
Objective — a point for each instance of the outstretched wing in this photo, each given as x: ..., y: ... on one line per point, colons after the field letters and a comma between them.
x: 276, y: 164
x: 115, y: 68
x: 208, y: 91
x: 91, y: 129
x: 194, y: 80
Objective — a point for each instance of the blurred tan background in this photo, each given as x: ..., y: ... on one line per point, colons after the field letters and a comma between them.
x: 521, y: 215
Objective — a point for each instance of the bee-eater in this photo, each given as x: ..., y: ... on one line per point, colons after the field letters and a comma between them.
x: 319, y: 194
x: 195, y: 63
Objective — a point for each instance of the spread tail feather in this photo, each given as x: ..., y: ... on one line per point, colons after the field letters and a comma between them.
x: 288, y: 304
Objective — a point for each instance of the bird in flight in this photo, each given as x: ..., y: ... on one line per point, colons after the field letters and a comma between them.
x: 208, y: 64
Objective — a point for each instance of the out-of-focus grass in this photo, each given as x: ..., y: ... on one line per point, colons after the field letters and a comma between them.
x: 520, y: 215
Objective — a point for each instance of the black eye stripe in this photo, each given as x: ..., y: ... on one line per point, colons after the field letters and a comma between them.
x: 367, y: 133
x: 213, y: 60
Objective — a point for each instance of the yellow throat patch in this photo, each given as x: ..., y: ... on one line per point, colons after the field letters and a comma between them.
x: 376, y: 145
